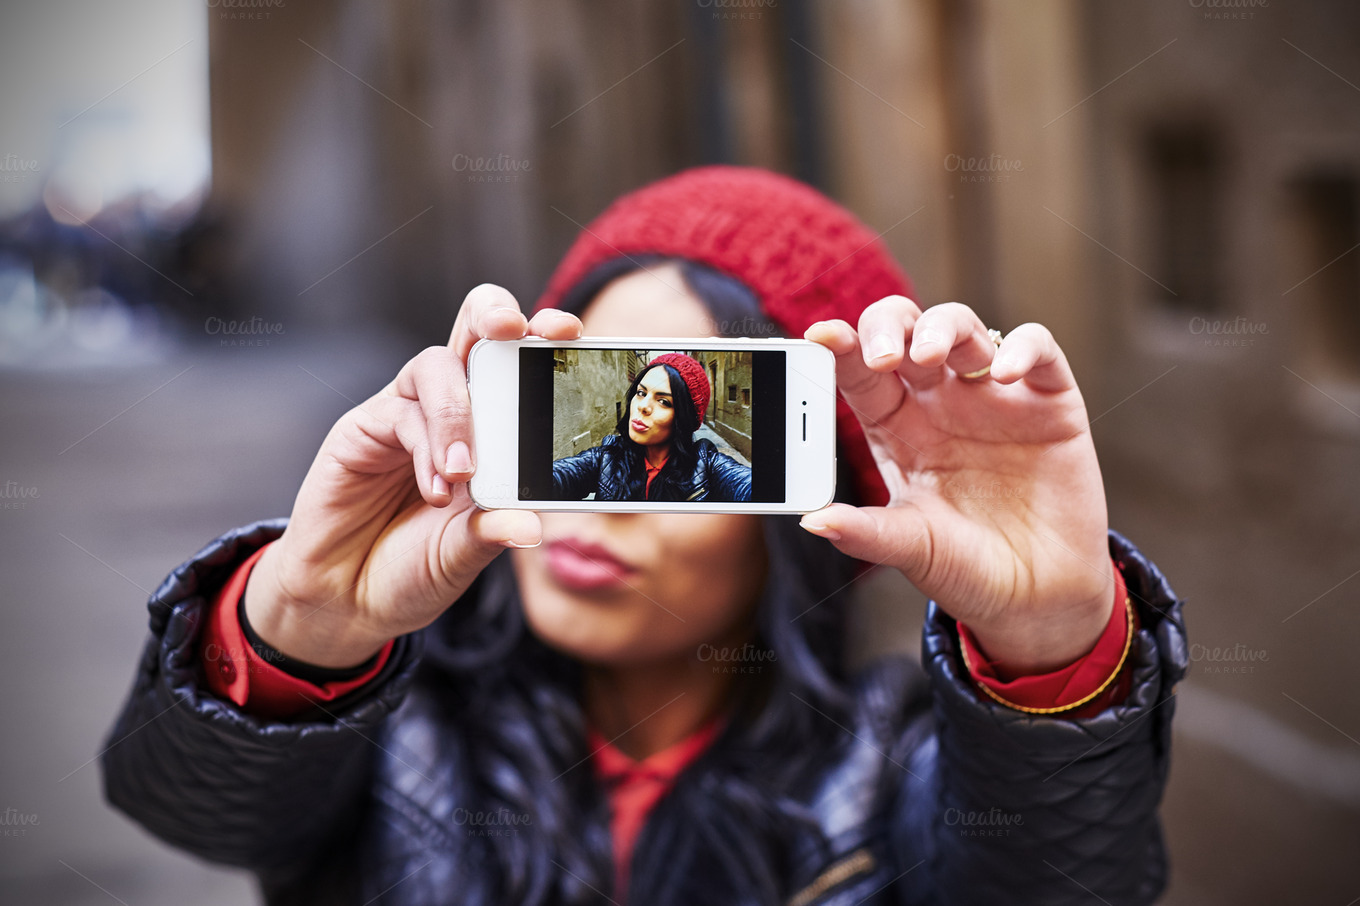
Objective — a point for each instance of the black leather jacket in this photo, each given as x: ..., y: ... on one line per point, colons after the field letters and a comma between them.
x: 907, y: 807
x: 614, y: 472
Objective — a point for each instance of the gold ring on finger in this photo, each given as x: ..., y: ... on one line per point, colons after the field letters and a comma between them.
x: 995, y: 336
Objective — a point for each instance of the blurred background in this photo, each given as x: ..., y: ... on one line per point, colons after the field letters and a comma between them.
x: 223, y: 222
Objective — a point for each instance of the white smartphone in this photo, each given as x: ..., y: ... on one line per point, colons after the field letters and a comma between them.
x: 653, y: 425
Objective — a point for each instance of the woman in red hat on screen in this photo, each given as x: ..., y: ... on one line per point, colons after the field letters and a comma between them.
x: 376, y: 700
x: 653, y: 454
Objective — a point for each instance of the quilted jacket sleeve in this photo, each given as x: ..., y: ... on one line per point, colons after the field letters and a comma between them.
x: 728, y: 480
x: 574, y: 477
x: 206, y: 777
x: 1008, y: 807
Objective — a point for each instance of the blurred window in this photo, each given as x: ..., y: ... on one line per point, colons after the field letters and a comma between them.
x: 1185, y: 163
x: 1327, y: 206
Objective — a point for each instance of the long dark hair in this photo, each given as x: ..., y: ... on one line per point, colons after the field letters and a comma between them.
x: 684, y: 422
x: 726, y: 831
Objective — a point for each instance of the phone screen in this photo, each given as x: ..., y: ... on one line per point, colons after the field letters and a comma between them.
x: 617, y: 424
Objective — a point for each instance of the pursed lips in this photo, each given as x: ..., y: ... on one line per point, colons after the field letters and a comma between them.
x: 585, y: 566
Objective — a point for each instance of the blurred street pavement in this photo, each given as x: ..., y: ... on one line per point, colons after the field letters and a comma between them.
x: 114, y: 477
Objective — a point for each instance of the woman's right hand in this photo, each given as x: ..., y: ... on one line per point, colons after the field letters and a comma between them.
x: 383, y: 535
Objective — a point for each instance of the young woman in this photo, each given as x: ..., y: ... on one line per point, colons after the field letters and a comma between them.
x: 374, y: 701
x: 653, y: 454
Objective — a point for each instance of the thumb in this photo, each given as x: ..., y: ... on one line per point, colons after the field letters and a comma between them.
x: 485, y: 533
x: 497, y: 529
x: 892, y: 536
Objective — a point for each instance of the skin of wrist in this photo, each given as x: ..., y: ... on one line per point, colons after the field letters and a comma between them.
x: 1051, y: 641
x: 304, y: 631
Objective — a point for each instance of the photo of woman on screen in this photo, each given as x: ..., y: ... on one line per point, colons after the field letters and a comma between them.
x: 653, y: 454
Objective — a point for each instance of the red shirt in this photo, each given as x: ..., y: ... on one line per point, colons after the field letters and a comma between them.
x: 1090, y: 681
x: 653, y: 471
x: 235, y: 671
x: 635, y: 786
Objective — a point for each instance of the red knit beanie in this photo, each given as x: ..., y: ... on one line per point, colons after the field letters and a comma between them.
x: 692, y: 373
x: 806, y: 258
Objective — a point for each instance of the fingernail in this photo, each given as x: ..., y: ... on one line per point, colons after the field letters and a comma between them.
x: 1003, y: 363
x: 821, y: 531
x: 511, y: 542
x: 440, y: 487
x: 881, y: 346
x: 459, y: 459
x: 929, y: 337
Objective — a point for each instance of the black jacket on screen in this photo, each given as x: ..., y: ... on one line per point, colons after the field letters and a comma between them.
x: 614, y: 471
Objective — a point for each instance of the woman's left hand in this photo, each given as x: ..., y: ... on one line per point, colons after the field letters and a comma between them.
x: 997, y: 508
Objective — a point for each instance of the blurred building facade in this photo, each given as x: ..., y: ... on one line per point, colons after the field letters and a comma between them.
x: 1137, y: 178
x: 1172, y: 187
